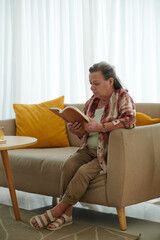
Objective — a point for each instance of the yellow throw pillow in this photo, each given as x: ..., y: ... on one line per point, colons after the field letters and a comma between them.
x: 36, y: 120
x: 143, y: 119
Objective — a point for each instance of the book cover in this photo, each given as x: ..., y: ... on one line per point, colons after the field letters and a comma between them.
x: 70, y: 114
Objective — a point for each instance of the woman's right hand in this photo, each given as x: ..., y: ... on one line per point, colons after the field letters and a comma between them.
x: 75, y: 128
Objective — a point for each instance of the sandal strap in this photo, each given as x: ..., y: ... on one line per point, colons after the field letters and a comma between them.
x: 52, y: 219
x: 66, y: 218
x: 59, y: 221
x: 38, y: 221
x: 44, y: 219
x: 56, y: 223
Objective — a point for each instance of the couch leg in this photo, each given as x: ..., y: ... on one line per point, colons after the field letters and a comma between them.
x: 54, y: 201
x: 122, y: 218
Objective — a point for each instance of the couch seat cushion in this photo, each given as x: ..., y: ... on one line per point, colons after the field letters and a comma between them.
x: 39, y: 170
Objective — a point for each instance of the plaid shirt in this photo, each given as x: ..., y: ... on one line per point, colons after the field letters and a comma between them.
x: 119, y: 109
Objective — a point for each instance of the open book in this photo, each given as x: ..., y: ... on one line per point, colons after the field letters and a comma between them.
x: 70, y: 114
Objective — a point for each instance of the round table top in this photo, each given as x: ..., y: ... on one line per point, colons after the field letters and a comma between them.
x: 13, y: 142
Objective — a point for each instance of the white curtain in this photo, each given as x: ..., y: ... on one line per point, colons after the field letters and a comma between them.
x: 47, y: 46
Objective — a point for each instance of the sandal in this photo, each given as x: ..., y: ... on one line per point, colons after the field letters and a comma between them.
x: 58, y: 223
x: 41, y: 220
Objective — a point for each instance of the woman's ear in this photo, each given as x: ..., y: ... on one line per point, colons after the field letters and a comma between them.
x: 111, y: 81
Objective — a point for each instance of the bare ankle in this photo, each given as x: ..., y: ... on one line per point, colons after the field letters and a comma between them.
x: 68, y: 211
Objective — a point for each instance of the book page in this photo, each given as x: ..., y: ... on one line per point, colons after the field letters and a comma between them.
x: 70, y: 114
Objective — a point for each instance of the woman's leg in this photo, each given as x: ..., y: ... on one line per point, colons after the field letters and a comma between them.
x: 80, y: 182
x: 75, y: 190
x: 81, y: 157
x: 64, y: 220
x: 70, y: 167
x: 51, y: 215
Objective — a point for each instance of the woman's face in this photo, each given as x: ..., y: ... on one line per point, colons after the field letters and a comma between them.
x: 99, y: 86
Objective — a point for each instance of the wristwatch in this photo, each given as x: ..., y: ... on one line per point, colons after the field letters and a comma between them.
x: 104, y: 129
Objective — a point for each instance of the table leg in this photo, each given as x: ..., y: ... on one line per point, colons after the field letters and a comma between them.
x: 10, y: 181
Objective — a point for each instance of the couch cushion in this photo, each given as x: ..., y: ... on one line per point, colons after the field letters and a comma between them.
x: 151, y: 109
x: 143, y: 119
x: 36, y: 120
x: 37, y: 170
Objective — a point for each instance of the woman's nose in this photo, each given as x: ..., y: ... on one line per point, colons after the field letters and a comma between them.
x: 92, y: 88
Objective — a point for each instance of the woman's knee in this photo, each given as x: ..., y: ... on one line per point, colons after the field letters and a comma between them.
x: 70, y: 164
x: 83, y: 170
x: 88, y: 171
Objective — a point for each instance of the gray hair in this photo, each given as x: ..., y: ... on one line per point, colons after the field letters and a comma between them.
x: 108, y: 71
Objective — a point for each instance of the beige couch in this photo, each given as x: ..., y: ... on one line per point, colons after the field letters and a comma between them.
x: 133, y: 173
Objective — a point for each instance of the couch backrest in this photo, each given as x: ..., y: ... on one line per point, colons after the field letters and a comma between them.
x: 9, y: 126
x: 151, y: 109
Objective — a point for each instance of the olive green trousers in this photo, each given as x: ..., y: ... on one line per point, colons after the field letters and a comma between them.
x: 78, y: 171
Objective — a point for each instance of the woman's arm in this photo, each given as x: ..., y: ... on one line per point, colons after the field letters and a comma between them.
x: 125, y: 119
x: 93, y: 126
x: 127, y: 113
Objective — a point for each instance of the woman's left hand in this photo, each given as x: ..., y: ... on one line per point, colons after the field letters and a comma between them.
x: 91, y: 126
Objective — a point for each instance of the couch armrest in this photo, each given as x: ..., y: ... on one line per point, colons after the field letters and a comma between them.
x: 9, y: 126
x: 133, y: 173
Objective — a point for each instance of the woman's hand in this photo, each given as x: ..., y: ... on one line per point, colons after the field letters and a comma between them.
x: 75, y: 128
x: 92, y: 126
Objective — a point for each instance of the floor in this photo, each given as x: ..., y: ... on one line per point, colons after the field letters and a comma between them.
x: 142, y: 218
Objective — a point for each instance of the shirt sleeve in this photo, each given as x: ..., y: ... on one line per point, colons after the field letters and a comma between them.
x: 127, y: 113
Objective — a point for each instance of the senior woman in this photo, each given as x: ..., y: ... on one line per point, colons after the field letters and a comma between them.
x: 110, y: 107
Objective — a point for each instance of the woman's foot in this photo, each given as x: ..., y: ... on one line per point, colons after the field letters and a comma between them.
x: 41, y: 221
x: 60, y: 222
x: 64, y: 220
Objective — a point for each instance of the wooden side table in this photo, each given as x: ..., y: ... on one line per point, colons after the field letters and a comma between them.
x: 13, y: 142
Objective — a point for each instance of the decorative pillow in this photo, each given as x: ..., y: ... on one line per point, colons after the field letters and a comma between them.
x: 143, y: 119
x: 36, y: 120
